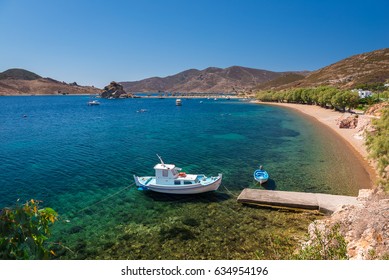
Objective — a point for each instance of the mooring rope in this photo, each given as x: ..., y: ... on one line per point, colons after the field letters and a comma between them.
x: 106, y: 198
x: 231, y: 193
x: 97, y: 202
x: 124, y: 189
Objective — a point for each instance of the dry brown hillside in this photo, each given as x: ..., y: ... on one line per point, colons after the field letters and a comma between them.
x: 210, y: 80
x: 20, y: 81
x: 366, y: 68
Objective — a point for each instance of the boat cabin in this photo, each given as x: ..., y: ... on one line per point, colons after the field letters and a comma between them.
x: 165, y: 173
x: 168, y: 174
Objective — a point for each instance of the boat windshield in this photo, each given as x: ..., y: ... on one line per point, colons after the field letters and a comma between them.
x: 174, y: 171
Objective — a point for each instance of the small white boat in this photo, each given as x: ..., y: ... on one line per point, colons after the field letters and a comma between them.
x: 261, y: 175
x: 169, y: 179
x: 93, y: 102
x: 178, y: 102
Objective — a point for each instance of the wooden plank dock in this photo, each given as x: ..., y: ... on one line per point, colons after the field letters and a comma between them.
x: 325, y: 203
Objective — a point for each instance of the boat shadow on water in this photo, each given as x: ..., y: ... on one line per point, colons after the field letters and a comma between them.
x: 270, y: 185
x: 184, y: 198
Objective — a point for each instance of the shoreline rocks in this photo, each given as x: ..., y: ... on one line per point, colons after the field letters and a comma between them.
x: 365, y: 226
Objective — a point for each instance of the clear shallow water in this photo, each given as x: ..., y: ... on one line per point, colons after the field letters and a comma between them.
x: 79, y: 160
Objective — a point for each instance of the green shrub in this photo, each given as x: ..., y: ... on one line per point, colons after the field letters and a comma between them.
x: 24, y: 231
x: 327, y: 245
x: 377, y: 143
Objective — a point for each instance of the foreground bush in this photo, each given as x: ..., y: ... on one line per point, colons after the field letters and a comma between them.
x: 377, y: 142
x: 327, y: 244
x: 24, y: 231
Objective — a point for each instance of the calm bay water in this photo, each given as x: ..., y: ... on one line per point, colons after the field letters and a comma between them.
x: 80, y: 159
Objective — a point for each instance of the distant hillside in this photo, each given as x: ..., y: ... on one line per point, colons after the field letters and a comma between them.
x: 18, y: 74
x: 210, y: 80
x: 371, y: 67
x: 20, y: 81
x: 281, y: 81
x: 366, y: 68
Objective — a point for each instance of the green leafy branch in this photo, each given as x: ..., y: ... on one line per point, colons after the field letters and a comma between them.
x: 24, y: 231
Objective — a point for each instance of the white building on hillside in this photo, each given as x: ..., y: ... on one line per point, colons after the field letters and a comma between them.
x: 364, y: 93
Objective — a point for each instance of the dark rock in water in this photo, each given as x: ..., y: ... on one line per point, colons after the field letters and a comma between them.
x: 75, y: 229
x: 191, y: 222
x: 176, y: 232
x: 115, y: 90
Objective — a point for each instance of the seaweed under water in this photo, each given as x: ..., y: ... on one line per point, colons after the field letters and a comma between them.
x: 203, y: 227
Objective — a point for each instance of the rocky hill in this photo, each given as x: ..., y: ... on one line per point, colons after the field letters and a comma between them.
x: 366, y: 68
x: 20, y: 81
x: 210, y: 80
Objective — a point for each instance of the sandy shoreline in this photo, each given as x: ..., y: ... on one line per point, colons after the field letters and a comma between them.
x: 329, y: 118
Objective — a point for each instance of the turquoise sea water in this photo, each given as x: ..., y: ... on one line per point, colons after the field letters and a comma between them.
x: 80, y: 159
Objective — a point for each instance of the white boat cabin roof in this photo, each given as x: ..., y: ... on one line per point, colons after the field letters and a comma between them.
x: 161, y: 166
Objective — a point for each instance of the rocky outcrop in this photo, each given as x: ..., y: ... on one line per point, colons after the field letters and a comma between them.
x: 115, y: 90
x: 376, y: 109
x: 348, y: 121
x: 365, y: 226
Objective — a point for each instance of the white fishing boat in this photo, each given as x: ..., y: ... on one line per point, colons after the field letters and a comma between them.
x: 261, y: 175
x: 169, y: 179
x: 93, y: 102
x: 178, y: 102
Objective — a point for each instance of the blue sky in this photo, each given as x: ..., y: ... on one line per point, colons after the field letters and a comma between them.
x: 96, y: 42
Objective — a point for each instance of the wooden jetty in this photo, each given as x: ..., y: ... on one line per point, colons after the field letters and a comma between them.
x: 325, y: 203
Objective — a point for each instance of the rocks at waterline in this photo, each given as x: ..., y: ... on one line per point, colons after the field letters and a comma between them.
x: 115, y: 90
x: 364, y: 226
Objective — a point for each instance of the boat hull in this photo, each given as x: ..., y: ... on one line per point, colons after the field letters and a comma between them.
x: 148, y: 183
x: 261, y: 176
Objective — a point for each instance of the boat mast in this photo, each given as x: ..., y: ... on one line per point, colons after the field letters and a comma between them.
x: 160, y: 160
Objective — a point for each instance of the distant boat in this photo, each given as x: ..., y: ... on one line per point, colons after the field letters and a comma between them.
x: 169, y: 179
x: 93, y: 102
x: 261, y: 175
x: 178, y: 102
